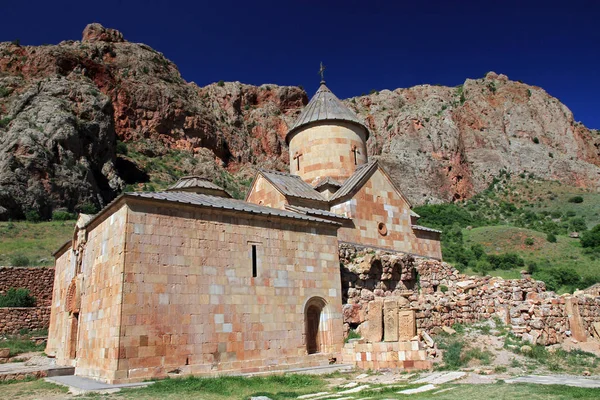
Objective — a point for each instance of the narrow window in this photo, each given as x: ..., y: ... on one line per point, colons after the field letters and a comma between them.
x: 254, y: 261
x: 354, y: 151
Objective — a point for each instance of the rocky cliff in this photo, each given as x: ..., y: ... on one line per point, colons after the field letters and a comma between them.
x: 65, y: 107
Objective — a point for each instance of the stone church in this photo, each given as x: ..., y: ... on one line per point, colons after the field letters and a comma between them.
x: 193, y: 281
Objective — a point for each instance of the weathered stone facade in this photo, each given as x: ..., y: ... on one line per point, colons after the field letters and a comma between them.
x: 38, y: 280
x: 15, y: 319
x: 327, y: 149
x: 441, y: 296
x: 167, y: 286
x: 381, y: 217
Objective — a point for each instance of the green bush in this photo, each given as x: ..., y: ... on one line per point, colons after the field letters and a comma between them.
x: 576, y: 199
x: 591, y: 239
x: 505, y: 261
x: 551, y: 238
x: 571, y: 214
x: 17, y: 298
x: 121, y: 148
x: 220, y: 83
x: 529, y: 241
x: 88, y: 208
x: 20, y: 261
x: 578, y: 224
x: 32, y: 216
x: 62, y: 216
x: 536, y: 140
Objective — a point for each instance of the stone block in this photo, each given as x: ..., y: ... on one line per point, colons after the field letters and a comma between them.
x: 407, y: 328
x: 374, y: 331
x: 390, y: 321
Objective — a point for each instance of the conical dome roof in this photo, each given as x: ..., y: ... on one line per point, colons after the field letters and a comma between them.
x: 325, y: 106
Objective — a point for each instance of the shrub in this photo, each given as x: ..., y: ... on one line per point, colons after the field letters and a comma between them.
x: 505, y: 261
x: 532, y: 267
x: 5, y: 121
x: 571, y: 214
x: 88, y: 208
x: 20, y: 261
x: 551, y: 238
x: 576, y: 199
x: 352, y: 334
x: 32, y: 216
x: 220, y: 83
x: 17, y: 298
x: 529, y: 241
x: 536, y: 140
x: 578, y: 224
x: 4, y: 91
x: 121, y: 148
x: 62, y: 216
x: 591, y: 239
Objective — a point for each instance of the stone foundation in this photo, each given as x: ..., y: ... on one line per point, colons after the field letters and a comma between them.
x: 408, y: 355
x: 15, y: 319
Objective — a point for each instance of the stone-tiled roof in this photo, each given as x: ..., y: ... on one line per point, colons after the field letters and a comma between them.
x: 327, y: 181
x: 189, y: 182
x: 292, y: 185
x: 325, y: 106
x: 223, y: 203
x: 424, y: 228
x: 315, y: 211
x: 352, y: 182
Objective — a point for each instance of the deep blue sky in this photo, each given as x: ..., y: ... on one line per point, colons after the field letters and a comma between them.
x: 364, y: 44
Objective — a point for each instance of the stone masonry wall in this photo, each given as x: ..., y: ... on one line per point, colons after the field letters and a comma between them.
x: 441, y: 296
x: 38, y: 280
x: 14, y: 319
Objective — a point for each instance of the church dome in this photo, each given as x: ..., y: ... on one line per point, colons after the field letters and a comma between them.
x: 324, y: 106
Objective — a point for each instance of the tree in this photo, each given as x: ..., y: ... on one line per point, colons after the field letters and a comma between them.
x: 591, y: 238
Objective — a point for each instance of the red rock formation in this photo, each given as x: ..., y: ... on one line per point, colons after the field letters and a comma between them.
x: 439, y: 143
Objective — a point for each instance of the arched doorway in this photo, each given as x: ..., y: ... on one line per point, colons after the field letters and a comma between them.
x: 316, y: 322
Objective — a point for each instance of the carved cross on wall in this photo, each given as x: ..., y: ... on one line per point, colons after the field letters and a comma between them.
x: 297, y: 158
x: 354, y: 151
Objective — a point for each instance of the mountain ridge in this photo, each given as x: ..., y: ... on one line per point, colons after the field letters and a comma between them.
x: 64, y: 109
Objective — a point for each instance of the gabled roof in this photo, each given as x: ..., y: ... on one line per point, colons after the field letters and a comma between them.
x: 325, y: 106
x: 191, y: 183
x: 222, y: 203
x: 351, y: 183
x: 424, y: 228
x: 292, y: 185
x: 359, y: 178
x: 315, y: 211
x: 327, y: 181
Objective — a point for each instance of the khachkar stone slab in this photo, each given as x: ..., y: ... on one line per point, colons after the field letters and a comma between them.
x: 407, y: 328
x: 390, y: 320
x: 375, y: 322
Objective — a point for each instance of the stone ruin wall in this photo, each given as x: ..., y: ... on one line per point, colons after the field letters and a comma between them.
x: 39, y: 281
x: 441, y: 296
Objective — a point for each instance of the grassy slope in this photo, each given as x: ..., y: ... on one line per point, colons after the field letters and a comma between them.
x: 36, y: 241
x: 503, y: 239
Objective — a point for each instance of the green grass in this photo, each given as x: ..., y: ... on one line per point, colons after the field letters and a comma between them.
x: 275, y: 387
x: 36, y: 241
x: 510, y: 391
x: 19, y: 344
x: 566, y: 252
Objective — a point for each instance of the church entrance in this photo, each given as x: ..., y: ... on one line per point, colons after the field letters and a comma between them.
x: 317, y: 326
x: 73, y: 331
x: 313, y: 316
